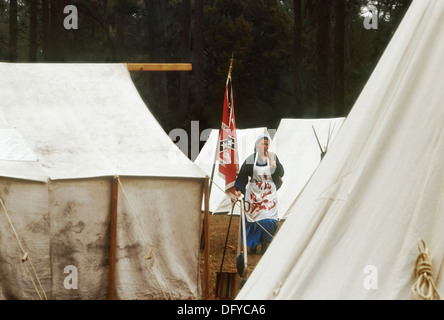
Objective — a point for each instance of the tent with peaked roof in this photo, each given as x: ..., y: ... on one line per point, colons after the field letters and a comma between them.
x: 375, y: 205
x: 299, y: 144
x: 71, y: 135
x: 219, y: 200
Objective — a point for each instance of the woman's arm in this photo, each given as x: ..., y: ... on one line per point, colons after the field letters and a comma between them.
x: 245, y: 171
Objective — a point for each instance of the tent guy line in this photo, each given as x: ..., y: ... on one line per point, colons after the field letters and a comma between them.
x: 26, y: 257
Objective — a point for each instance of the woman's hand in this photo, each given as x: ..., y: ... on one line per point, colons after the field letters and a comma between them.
x: 238, y: 194
x: 271, y: 160
x: 273, y: 163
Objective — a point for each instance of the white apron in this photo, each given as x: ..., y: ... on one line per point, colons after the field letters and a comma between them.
x: 261, y: 194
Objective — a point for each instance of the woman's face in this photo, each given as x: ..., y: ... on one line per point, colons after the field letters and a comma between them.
x: 262, y: 146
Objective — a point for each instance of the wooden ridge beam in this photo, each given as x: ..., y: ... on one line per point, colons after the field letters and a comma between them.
x: 159, y: 66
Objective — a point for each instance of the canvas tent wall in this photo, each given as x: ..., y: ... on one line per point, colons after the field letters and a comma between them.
x: 246, y: 138
x: 298, y: 149
x: 354, y: 230
x: 66, y: 130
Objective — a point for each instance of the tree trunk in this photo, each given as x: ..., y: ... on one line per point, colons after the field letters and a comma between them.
x: 297, y: 56
x: 339, y: 59
x: 120, y: 37
x: 198, y: 63
x: 53, y: 31
x: 158, y: 81
x: 33, y: 30
x: 184, y: 76
x: 13, y: 31
x: 323, y: 51
x: 63, y: 34
x: 45, y: 29
x: 55, y: 36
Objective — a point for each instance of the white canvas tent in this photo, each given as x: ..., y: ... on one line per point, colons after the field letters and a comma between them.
x: 298, y: 149
x: 354, y: 230
x: 246, y: 138
x: 294, y: 142
x: 66, y: 130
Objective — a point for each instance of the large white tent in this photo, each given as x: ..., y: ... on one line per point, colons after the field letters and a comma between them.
x: 69, y: 134
x: 356, y: 229
x: 299, y: 144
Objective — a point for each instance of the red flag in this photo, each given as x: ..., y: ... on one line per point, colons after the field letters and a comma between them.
x: 228, y: 156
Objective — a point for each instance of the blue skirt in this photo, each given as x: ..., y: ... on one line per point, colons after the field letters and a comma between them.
x: 256, y: 235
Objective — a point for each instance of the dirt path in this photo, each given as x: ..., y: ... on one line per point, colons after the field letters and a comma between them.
x: 218, y: 234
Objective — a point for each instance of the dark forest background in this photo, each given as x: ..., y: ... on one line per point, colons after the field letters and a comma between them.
x: 292, y: 58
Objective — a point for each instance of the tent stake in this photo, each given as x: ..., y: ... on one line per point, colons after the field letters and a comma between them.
x: 113, y: 236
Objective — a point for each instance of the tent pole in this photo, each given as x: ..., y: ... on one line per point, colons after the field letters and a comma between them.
x: 113, y: 236
x: 216, y: 153
x: 207, y: 239
x: 202, y: 240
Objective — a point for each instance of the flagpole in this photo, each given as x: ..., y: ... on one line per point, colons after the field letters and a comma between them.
x: 216, y: 153
x: 214, y: 162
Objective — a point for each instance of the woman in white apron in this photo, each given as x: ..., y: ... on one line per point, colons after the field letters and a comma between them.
x: 256, y: 180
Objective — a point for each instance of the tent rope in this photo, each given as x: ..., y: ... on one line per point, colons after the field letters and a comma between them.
x: 26, y: 257
x: 424, y: 286
x: 149, y: 254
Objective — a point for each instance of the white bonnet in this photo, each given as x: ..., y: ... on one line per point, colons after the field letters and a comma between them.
x: 260, y: 137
